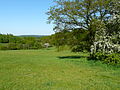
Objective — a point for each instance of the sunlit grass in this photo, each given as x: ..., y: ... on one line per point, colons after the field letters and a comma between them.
x: 52, y: 70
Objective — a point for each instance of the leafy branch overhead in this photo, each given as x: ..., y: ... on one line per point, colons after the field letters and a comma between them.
x: 72, y: 14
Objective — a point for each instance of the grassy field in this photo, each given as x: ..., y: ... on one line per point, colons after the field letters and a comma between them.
x: 52, y: 70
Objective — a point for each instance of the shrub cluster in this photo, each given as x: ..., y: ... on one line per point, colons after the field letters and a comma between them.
x: 18, y: 46
x: 112, y: 59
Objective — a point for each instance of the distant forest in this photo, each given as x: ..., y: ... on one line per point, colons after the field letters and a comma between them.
x: 11, y: 42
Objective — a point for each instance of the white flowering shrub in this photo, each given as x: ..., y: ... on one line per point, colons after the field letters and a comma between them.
x: 107, y: 37
x: 107, y: 40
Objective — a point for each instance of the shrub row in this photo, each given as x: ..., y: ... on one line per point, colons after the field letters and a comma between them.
x: 18, y: 46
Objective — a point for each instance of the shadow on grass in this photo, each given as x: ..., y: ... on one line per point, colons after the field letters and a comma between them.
x: 71, y: 57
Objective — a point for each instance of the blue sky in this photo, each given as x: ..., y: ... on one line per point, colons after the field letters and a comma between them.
x: 24, y: 17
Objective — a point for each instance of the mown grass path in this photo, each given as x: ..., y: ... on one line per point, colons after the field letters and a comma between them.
x: 52, y: 70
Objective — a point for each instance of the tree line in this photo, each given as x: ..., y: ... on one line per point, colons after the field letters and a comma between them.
x: 11, y: 42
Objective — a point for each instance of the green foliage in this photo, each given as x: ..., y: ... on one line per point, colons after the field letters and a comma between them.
x: 75, y: 39
x: 112, y: 59
x: 13, y: 46
x: 80, y: 47
x: 107, y: 38
x: 10, y: 46
x: 10, y: 42
x: 79, y: 38
x: 72, y: 14
x: 81, y: 19
x: 3, y: 47
x: 60, y: 39
x: 6, y: 38
x: 97, y: 56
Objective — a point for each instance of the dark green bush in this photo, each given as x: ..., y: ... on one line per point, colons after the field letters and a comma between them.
x: 3, y: 47
x: 80, y: 47
x: 12, y: 46
x: 112, y: 59
x: 97, y: 56
x: 77, y: 48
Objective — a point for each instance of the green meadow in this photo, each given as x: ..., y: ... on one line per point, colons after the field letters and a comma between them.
x: 47, y: 69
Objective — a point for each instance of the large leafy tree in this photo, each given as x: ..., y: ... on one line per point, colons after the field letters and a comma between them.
x: 72, y: 14
x: 79, y: 15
